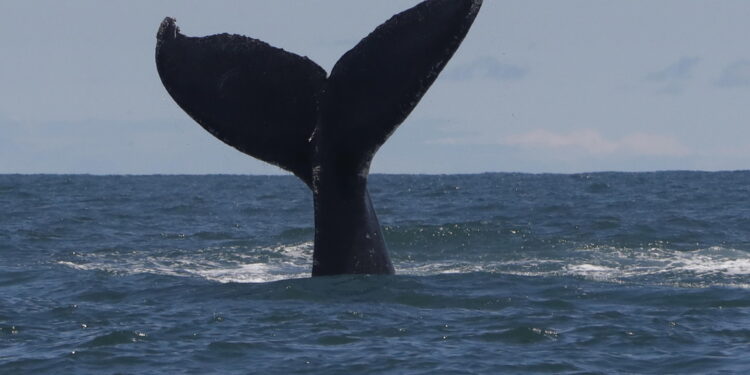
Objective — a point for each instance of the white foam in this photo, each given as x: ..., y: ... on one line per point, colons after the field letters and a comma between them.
x: 716, y: 265
x: 254, y: 273
x: 592, y: 271
x: 223, y: 265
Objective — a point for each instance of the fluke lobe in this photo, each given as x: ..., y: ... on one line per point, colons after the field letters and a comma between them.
x: 282, y: 108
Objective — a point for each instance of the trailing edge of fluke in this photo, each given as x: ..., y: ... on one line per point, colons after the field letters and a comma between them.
x: 281, y: 108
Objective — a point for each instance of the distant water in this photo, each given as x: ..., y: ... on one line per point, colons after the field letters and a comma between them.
x: 497, y: 273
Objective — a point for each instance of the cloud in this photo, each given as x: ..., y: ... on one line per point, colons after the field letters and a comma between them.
x: 679, y: 71
x: 673, y: 78
x: 486, y: 67
x: 736, y: 74
x: 589, y: 142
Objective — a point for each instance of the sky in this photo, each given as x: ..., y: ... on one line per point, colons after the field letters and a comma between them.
x: 537, y: 86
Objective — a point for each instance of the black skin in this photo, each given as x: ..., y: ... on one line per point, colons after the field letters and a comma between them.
x: 281, y: 108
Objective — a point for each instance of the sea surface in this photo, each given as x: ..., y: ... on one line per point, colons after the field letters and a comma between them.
x: 604, y: 273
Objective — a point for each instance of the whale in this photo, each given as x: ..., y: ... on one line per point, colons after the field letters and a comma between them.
x: 284, y: 109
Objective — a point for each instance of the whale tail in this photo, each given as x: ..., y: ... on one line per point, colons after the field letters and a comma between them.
x: 281, y: 108
x: 376, y: 85
x: 256, y: 98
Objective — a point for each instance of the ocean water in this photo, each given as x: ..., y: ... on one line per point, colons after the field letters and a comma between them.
x: 607, y: 273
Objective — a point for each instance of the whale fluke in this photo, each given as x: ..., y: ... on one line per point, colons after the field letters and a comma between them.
x: 374, y: 86
x: 281, y: 108
x: 254, y: 97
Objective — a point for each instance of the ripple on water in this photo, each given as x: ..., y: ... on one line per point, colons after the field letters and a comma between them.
x: 520, y: 335
x: 9, y: 330
x: 335, y: 340
x: 601, y: 273
x: 117, y: 338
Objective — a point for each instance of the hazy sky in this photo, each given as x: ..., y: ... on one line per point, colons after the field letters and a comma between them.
x: 538, y: 86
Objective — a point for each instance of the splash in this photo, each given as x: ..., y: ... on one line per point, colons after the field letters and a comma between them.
x: 224, y: 265
x: 713, y: 266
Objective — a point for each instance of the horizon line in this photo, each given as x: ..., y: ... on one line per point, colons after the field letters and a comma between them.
x: 374, y: 174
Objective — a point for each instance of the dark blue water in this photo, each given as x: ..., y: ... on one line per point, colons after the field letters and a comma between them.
x: 498, y: 273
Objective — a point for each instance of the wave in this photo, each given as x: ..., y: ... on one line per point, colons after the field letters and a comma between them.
x: 712, y: 266
x: 225, y: 265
